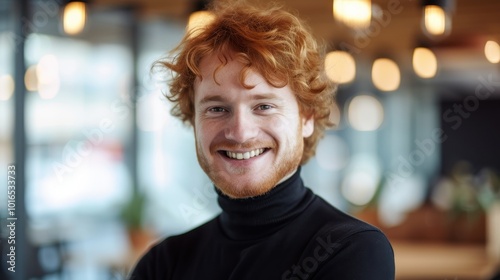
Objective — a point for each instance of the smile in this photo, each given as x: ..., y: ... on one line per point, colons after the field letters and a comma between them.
x: 245, y: 155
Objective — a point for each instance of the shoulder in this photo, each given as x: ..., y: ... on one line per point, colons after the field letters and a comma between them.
x: 350, y: 231
x: 345, y: 230
x: 347, y: 248
x: 360, y: 254
x: 159, y: 260
x: 335, y: 221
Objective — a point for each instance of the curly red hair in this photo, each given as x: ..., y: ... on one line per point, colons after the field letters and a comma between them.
x: 272, y: 41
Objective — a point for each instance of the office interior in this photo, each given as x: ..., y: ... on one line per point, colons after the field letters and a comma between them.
x: 103, y: 170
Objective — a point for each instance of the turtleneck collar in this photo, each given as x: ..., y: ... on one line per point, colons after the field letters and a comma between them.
x: 256, y: 217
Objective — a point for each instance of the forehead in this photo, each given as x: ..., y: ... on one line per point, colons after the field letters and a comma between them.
x: 226, y: 75
x: 219, y: 68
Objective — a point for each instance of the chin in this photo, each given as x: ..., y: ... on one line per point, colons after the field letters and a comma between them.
x: 246, y: 190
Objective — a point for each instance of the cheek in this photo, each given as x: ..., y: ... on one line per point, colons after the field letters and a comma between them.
x: 198, y: 133
x: 283, y: 128
x: 204, y: 133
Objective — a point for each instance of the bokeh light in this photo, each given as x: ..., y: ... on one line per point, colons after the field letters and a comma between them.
x: 47, y: 72
x: 31, y: 79
x: 74, y: 17
x: 365, y: 113
x: 356, y: 14
x: 424, y: 63
x: 6, y: 87
x: 198, y: 20
x: 385, y: 74
x: 492, y: 51
x: 340, y: 67
x: 435, y: 20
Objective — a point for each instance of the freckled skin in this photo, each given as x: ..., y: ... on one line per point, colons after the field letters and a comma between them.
x: 230, y: 117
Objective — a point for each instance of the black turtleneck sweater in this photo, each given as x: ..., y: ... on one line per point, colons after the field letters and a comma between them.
x: 288, y: 233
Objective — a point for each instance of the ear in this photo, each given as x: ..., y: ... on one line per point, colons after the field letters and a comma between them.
x: 307, y: 126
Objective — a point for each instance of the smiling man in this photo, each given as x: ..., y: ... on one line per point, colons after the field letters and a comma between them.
x: 249, y: 134
x: 251, y: 83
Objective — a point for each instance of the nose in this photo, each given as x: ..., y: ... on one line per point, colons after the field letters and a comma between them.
x: 241, y: 127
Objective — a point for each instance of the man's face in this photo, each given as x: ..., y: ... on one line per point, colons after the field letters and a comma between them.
x: 247, y: 140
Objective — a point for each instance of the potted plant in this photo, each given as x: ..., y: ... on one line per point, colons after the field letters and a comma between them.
x: 132, y: 215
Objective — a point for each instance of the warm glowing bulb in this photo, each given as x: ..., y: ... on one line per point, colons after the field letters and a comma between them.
x: 385, y: 74
x: 365, y: 113
x: 353, y: 13
x: 340, y: 67
x: 492, y: 51
x: 31, y: 79
x: 47, y: 69
x: 424, y: 63
x: 74, y: 17
x: 435, y: 20
x: 47, y: 72
x: 198, y: 20
x: 6, y: 87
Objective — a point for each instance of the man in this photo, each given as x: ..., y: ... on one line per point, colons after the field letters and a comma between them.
x: 252, y: 85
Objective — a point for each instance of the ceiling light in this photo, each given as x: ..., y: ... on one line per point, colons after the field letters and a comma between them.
x: 355, y: 14
x: 74, y: 17
x: 492, y: 51
x: 385, y: 74
x: 436, y: 17
x: 340, y: 67
x: 424, y: 62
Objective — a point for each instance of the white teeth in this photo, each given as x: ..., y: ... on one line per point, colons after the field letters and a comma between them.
x: 245, y: 155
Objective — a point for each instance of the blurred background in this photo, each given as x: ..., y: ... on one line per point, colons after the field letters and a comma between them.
x: 103, y: 170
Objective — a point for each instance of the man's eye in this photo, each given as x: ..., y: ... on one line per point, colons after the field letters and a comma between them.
x: 217, y: 110
x: 264, y: 107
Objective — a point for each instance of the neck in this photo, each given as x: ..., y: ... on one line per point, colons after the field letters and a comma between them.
x: 255, y: 217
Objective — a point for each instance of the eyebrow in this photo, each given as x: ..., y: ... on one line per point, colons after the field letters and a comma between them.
x: 212, y: 98
x: 218, y: 98
x: 266, y: 96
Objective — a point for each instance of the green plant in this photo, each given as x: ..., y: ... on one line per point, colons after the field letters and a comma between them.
x: 133, y: 212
